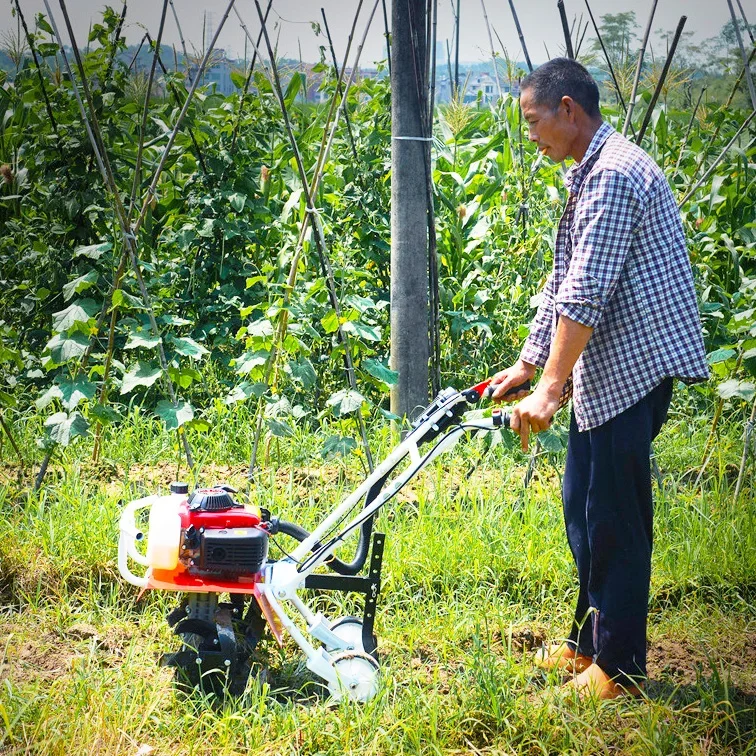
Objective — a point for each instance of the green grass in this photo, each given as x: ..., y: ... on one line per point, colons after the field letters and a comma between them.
x: 476, y: 574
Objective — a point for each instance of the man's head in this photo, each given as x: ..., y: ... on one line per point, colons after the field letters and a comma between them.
x: 560, y: 102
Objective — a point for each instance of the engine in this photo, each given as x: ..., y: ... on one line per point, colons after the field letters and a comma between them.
x: 207, y: 534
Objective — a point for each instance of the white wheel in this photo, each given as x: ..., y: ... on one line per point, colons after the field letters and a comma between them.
x: 349, y: 630
x: 358, y: 677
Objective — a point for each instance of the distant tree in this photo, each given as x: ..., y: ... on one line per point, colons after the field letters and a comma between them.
x: 618, y: 33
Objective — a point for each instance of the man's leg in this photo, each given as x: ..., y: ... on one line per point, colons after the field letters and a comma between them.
x: 577, y: 471
x: 619, y: 515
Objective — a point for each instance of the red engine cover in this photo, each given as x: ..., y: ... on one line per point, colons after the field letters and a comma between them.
x: 237, y: 517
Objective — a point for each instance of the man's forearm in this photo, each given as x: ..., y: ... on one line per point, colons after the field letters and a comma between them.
x: 569, y: 342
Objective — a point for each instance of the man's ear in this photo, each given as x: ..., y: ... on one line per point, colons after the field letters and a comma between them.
x: 569, y: 107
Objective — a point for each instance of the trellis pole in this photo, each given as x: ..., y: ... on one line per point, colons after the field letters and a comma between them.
x: 409, y: 207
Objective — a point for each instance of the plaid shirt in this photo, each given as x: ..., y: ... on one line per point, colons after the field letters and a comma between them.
x: 621, y: 267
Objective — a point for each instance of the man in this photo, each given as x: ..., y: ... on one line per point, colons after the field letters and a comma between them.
x: 618, y: 315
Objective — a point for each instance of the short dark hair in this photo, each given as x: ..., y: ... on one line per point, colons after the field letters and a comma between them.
x: 563, y: 76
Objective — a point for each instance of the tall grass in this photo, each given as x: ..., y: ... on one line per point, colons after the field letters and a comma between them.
x: 477, y: 573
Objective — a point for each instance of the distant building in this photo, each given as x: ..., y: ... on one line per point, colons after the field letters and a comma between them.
x: 218, y: 73
x: 477, y: 85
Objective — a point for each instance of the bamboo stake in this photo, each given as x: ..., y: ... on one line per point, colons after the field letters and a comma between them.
x: 747, y: 441
x: 456, y: 53
x: 724, y: 109
x: 387, y: 35
x: 129, y: 233
x: 177, y: 98
x: 41, y: 78
x: 42, y: 470
x: 315, y: 221
x: 745, y: 21
x: 690, y: 127
x: 139, y: 49
x: 607, y: 58
x: 746, y: 66
x: 339, y: 88
x: 520, y: 35
x: 449, y: 65
x: 565, y: 29
x: 662, y: 78
x: 247, y: 82
x: 146, y: 109
x: 582, y: 37
x: 493, y: 53
x: 150, y: 194
x: 181, y: 37
x: 639, y: 67
x: 129, y: 236
x: 13, y: 441
x: 717, y: 161
x: 115, y: 42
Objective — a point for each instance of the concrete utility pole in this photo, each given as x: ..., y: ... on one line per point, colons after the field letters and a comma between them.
x: 410, y: 350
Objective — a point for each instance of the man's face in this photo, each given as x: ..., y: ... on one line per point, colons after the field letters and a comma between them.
x: 552, y: 130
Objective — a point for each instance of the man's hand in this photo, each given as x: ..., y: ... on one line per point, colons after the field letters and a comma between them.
x: 507, y: 379
x: 533, y: 414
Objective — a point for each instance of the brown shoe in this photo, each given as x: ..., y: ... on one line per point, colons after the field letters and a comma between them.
x: 563, y: 658
x: 593, y: 682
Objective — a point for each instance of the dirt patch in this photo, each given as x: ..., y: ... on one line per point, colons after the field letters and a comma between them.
x: 685, y: 662
x: 32, y: 654
x: 42, y: 657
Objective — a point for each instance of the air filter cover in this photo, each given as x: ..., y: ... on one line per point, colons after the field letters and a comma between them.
x: 211, y: 500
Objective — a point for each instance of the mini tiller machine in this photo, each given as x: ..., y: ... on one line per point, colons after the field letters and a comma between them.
x: 206, y: 543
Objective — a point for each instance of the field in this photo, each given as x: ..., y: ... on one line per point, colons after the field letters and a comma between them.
x: 476, y: 576
x: 198, y: 289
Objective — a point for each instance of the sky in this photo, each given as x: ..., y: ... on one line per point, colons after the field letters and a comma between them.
x: 291, y: 21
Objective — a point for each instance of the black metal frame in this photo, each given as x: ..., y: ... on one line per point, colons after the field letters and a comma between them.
x: 369, y: 586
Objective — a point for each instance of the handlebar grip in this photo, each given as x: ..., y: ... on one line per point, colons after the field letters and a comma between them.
x: 525, y: 386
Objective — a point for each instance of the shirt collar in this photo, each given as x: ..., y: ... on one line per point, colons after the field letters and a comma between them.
x: 603, y: 132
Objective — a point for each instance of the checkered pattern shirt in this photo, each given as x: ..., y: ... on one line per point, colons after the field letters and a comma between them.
x: 621, y: 267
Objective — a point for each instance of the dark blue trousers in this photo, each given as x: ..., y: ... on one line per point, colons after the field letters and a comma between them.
x: 608, y: 514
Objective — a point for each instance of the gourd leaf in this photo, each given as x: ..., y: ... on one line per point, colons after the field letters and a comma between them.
x: 64, y: 347
x: 334, y: 445
x: 73, y: 390
x: 63, y: 428
x: 188, y: 347
x: 143, y: 374
x: 380, y: 371
x: 79, y: 284
x: 345, y: 401
x: 79, y: 311
x: 174, y: 417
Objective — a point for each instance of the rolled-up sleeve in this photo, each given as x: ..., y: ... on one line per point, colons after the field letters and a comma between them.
x: 606, y: 218
x: 536, y: 349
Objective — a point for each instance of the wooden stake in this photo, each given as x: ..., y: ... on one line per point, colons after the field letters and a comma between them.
x: 746, y: 66
x: 565, y: 29
x: 146, y: 109
x: 690, y: 126
x: 317, y: 230
x: 639, y: 67
x: 717, y: 161
x: 247, y: 81
x: 662, y: 78
x: 520, y: 35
